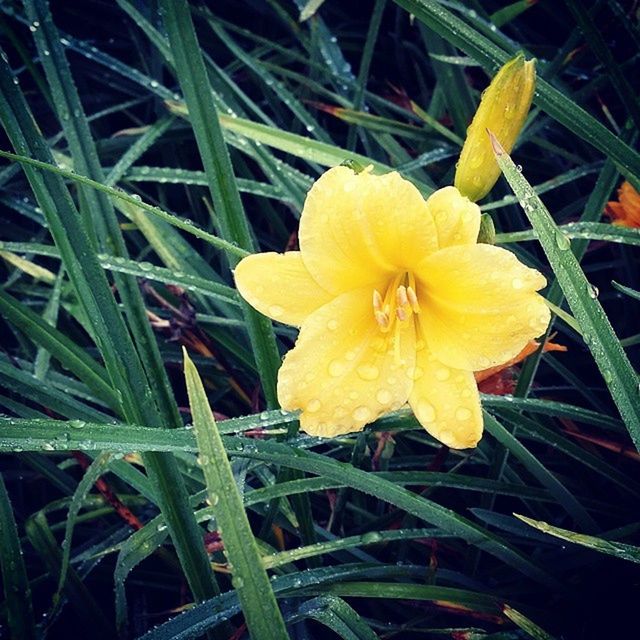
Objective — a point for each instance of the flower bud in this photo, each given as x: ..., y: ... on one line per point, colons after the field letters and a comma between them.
x: 503, y: 109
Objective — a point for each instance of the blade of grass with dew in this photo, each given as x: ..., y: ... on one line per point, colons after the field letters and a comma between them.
x: 556, y: 104
x: 194, y: 82
x: 632, y: 293
x: 90, y: 477
x: 17, y: 591
x: 50, y: 316
x: 611, y: 547
x: 603, y: 231
x: 338, y: 616
x: 41, y: 435
x: 598, y: 333
x: 259, y: 606
x: 528, y: 626
x: 184, y: 225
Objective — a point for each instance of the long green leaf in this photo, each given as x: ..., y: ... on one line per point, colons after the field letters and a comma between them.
x: 250, y: 579
x: 56, y: 435
x: 230, y: 216
x: 598, y: 334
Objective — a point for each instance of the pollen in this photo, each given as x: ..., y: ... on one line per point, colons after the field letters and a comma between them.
x: 399, y: 302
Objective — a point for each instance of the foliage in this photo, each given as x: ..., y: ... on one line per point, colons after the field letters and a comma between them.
x: 148, y: 147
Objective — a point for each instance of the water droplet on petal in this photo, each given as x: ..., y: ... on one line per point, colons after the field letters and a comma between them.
x: 314, y: 405
x: 384, y: 396
x: 362, y: 414
x: 275, y: 311
x: 425, y: 411
x: 462, y: 413
x: 332, y: 325
x: 336, y: 368
x: 517, y: 283
x: 368, y: 372
x: 443, y: 374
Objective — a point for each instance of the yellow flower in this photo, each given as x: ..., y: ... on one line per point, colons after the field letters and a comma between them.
x: 503, y: 109
x: 396, y: 303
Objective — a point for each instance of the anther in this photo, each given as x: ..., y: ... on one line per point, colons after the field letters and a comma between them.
x: 382, y: 319
x: 401, y: 296
x: 377, y: 300
x: 413, y: 299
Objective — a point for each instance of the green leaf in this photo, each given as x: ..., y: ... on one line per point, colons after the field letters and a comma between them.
x: 598, y: 334
x: 259, y: 606
x: 230, y: 216
x: 610, y: 547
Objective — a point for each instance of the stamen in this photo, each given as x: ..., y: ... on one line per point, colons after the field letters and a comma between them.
x: 382, y: 319
x: 401, y: 296
x: 401, y: 314
x: 377, y: 300
x: 413, y: 300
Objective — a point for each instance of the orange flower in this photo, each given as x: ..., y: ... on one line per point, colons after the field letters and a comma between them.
x: 626, y: 212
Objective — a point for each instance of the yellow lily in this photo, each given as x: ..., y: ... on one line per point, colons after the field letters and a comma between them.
x: 396, y: 302
x: 503, y: 110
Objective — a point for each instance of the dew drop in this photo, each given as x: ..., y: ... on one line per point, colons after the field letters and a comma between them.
x: 384, y: 396
x: 446, y: 437
x: 425, y: 411
x: 562, y: 242
x: 462, y: 413
x: 368, y: 372
x: 332, y: 325
x: 608, y: 376
x: 443, y: 374
x: 314, y: 405
x: 361, y: 414
x: 517, y: 283
x: 336, y: 368
x: 275, y: 310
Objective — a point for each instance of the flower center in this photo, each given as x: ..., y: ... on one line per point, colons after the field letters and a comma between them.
x: 399, y: 301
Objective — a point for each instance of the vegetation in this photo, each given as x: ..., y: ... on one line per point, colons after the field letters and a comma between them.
x: 145, y: 493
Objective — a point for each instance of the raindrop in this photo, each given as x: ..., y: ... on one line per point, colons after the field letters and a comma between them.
x: 336, y: 368
x: 384, y: 396
x: 314, y: 405
x: 361, y: 414
x: 443, y: 374
x: 562, y: 242
x: 368, y: 372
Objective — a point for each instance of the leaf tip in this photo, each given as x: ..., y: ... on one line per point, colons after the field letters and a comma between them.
x: 498, y: 149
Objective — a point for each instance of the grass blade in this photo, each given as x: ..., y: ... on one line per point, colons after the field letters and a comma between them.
x: 250, y: 579
x: 597, y: 332
x: 230, y: 215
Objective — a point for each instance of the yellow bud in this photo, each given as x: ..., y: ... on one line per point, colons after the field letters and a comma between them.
x: 503, y: 109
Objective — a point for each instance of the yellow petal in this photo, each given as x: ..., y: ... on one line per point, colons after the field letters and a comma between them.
x: 356, y: 228
x: 279, y: 286
x: 503, y: 110
x: 344, y: 372
x: 480, y: 307
x: 446, y: 402
x: 457, y: 219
